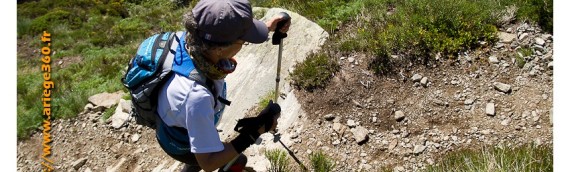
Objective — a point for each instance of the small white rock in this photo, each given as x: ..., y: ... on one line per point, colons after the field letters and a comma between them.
x: 350, y: 123
x: 523, y: 36
x: 351, y: 59
x: 399, y: 115
x: 505, y: 88
x: 424, y: 81
x: 135, y: 138
x: 490, y: 109
x: 419, y: 149
x: 539, y: 41
x: 416, y: 77
x: 336, y: 142
x: 468, y: 101
x: 493, y: 60
x: 506, y: 122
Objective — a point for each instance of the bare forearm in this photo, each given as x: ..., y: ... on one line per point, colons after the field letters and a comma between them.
x: 212, y: 161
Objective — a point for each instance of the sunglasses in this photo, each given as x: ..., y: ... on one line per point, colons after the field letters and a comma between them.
x: 227, y: 66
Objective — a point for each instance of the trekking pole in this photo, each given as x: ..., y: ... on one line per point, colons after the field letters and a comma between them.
x: 277, y: 39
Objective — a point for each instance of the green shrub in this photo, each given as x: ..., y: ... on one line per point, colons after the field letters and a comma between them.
x: 315, y: 71
x: 537, y: 11
x: 381, y: 64
x: 278, y: 160
x: 259, y: 13
x: 29, y: 96
x: 112, y: 8
x: 46, y: 21
x: 32, y: 9
x: 423, y: 28
x: 129, y: 29
x: 24, y: 26
x: 524, y: 158
x: 321, y: 162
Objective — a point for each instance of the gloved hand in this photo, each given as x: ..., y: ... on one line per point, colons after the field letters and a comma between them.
x: 280, y: 25
x: 266, y: 118
x: 251, y: 128
x: 269, y: 116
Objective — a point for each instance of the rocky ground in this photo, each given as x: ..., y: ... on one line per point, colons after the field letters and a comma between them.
x: 402, y: 121
x: 89, y: 143
x: 407, y: 120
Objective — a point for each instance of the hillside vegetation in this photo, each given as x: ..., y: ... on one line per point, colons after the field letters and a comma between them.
x: 92, y: 42
x: 94, y: 39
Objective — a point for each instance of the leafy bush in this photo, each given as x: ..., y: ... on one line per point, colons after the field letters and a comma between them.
x: 128, y: 29
x: 315, y: 71
x: 418, y: 28
x: 46, y: 21
x: 538, y: 11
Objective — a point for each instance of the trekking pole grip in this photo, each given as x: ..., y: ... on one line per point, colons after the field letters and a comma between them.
x: 278, y: 35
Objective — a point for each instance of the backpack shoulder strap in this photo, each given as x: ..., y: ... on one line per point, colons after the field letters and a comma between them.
x: 184, y: 66
x: 204, y: 81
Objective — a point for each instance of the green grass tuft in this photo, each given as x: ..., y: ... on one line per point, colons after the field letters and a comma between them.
x: 278, y: 160
x: 109, y: 112
x: 264, y: 101
x: 524, y: 158
x: 321, y: 162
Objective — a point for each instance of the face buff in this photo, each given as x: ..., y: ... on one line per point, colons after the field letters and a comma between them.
x: 214, y: 72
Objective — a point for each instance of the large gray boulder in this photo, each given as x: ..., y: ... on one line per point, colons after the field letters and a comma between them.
x: 255, y: 77
x: 255, y: 74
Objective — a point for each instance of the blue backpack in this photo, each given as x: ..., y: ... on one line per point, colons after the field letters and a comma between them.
x: 149, y: 70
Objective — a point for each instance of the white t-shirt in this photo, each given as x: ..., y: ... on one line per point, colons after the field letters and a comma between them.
x: 185, y: 103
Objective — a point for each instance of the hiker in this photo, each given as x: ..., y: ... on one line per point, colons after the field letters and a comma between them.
x: 189, y: 111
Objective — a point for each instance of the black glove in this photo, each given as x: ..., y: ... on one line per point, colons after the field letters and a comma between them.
x: 248, y: 127
x: 269, y: 113
x: 278, y: 35
x: 265, y: 117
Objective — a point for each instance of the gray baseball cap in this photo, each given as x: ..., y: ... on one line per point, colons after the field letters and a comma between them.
x: 227, y: 21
